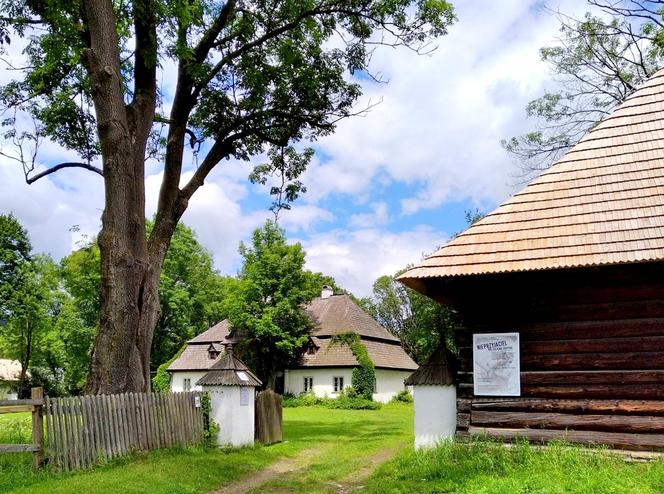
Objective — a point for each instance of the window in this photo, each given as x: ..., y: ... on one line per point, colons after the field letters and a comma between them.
x: 308, y: 384
x: 311, y: 350
x: 338, y: 383
x: 186, y: 385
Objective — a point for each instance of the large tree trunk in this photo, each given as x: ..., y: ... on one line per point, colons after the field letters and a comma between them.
x: 129, y: 272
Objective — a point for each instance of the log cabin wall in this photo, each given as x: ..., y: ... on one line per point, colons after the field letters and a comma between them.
x: 592, y: 354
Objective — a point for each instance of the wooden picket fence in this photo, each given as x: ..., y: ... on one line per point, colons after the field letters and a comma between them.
x: 34, y: 405
x: 83, y: 429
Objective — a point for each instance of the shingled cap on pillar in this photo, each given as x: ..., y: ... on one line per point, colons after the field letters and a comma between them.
x: 229, y: 371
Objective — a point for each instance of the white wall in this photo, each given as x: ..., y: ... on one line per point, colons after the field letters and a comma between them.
x: 435, y: 414
x: 178, y: 377
x: 236, y: 421
x: 388, y: 382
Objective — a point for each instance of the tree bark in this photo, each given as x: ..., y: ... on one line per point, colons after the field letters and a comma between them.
x: 129, y: 274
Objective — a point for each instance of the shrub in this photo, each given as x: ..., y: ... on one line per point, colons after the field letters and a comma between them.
x: 403, y: 396
x: 347, y: 400
x: 364, y: 376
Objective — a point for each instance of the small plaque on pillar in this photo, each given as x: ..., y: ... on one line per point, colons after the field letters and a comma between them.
x: 244, y: 397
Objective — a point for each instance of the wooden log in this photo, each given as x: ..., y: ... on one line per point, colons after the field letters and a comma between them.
x: 463, y: 420
x: 636, y: 442
x: 583, y: 377
x: 613, y: 407
x: 545, y: 420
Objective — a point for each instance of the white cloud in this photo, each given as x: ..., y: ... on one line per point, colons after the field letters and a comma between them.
x: 442, y: 116
x: 356, y: 258
x: 379, y: 216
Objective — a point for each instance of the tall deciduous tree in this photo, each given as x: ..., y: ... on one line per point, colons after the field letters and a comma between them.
x: 266, y: 308
x: 252, y: 76
x: 190, y: 289
x: 596, y: 64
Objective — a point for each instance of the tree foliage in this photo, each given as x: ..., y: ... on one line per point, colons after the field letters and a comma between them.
x: 364, y: 375
x: 418, y: 321
x: 596, y: 64
x: 266, y: 305
x: 253, y: 77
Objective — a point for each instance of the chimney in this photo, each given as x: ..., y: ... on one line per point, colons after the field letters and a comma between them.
x: 327, y: 292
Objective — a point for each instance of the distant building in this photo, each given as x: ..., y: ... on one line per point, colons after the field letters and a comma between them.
x: 325, y: 370
x: 201, y: 353
x: 320, y: 369
x: 10, y: 372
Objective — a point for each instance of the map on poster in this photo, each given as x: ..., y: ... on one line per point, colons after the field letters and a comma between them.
x: 496, y: 366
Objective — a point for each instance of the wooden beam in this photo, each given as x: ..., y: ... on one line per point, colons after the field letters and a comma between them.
x: 18, y: 448
x: 16, y: 409
x: 614, y: 407
x: 31, y: 402
x: 649, y: 442
x: 547, y: 420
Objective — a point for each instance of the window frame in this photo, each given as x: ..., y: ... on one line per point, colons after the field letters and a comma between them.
x: 308, y: 384
x: 337, y: 384
x: 186, y: 384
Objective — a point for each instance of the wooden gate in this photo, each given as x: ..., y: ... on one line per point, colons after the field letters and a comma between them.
x: 269, y: 417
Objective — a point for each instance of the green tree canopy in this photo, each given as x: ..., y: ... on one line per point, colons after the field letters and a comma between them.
x: 266, y: 306
x: 596, y: 64
x: 418, y: 321
x: 254, y: 78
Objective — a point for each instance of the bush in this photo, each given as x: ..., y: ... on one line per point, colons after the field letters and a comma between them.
x: 403, y: 396
x: 348, y: 400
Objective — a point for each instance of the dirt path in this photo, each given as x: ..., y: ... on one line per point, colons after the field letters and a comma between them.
x: 272, y: 472
x: 290, y: 466
x: 354, y: 481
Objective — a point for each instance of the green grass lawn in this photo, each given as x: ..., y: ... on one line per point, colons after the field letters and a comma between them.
x: 338, y: 445
x: 484, y: 467
x: 345, y: 439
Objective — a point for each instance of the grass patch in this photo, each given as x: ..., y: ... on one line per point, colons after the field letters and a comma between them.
x: 346, y: 439
x: 484, y: 467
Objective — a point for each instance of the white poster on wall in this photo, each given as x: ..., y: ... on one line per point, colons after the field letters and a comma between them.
x: 496, y: 365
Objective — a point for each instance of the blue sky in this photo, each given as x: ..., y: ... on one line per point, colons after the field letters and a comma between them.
x: 384, y: 189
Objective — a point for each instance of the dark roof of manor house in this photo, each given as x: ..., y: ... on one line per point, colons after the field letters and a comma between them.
x: 334, y: 314
x: 229, y: 371
x: 338, y: 314
x: 196, y: 356
x: 437, y: 370
x: 602, y: 203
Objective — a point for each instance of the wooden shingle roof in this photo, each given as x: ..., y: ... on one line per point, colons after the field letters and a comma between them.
x: 602, y: 203
x: 384, y: 355
x: 229, y: 371
x: 339, y: 314
x: 438, y: 370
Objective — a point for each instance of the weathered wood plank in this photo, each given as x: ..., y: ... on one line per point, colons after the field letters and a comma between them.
x: 649, y: 442
x: 23, y: 402
x: 583, y: 377
x: 16, y: 408
x: 617, y: 407
x: 19, y: 448
x: 546, y: 420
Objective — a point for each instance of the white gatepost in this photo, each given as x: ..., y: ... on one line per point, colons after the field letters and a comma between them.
x: 232, y: 389
x: 434, y: 395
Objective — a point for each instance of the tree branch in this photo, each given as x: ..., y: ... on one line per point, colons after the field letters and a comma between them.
x: 86, y: 166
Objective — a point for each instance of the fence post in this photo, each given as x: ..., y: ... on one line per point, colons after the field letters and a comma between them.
x: 38, y: 425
